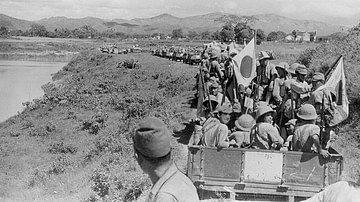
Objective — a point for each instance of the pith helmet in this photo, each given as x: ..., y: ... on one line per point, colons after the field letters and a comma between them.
x: 318, y: 76
x: 292, y: 68
x: 213, y: 54
x: 152, y: 138
x: 245, y: 122
x: 214, y: 85
x: 301, y: 69
x: 283, y: 65
x: 264, y: 55
x: 226, y: 108
x: 291, y: 122
x: 307, y: 112
x: 213, y: 100
x: 263, y: 110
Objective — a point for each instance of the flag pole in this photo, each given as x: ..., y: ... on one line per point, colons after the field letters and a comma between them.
x: 332, y: 68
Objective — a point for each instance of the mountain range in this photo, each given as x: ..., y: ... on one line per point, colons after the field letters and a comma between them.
x: 166, y: 23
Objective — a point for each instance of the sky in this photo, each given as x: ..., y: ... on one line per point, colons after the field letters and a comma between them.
x: 336, y: 12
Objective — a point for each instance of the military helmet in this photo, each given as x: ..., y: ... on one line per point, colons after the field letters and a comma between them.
x: 225, y: 108
x: 213, y: 101
x: 307, y: 112
x: 292, y: 68
x: 318, y: 76
x: 263, y: 55
x: 282, y: 65
x: 301, y: 69
x: 263, y: 109
x: 245, y: 122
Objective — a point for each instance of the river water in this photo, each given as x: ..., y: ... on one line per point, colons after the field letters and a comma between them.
x: 21, y: 81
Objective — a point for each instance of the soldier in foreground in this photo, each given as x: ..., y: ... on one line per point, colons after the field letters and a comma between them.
x: 153, y: 154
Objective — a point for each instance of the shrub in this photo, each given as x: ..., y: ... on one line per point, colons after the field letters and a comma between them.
x: 60, y: 148
x: 101, y: 182
x: 60, y: 164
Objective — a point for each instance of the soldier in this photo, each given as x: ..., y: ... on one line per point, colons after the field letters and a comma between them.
x: 153, y: 154
x: 214, y: 67
x: 215, y: 130
x: 241, y: 134
x: 278, y: 90
x: 215, y: 90
x: 307, y: 135
x: 266, y: 73
x: 265, y: 135
x: 300, y: 88
x: 287, y: 134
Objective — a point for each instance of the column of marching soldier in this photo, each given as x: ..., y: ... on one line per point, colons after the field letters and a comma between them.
x: 279, y: 110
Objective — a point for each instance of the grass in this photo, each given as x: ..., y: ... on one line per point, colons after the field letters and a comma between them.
x: 75, y: 145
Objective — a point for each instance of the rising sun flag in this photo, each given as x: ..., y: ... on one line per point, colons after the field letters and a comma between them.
x: 245, y: 64
x: 336, y: 80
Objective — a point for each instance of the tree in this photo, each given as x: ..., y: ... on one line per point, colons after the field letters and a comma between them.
x: 260, y: 36
x: 243, y: 32
x: 4, y: 31
x: 276, y: 36
x: 177, y: 33
x: 216, y: 35
x: 227, y: 33
x: 38, y: 30
x: 192, y: 34
x: 205, y: 35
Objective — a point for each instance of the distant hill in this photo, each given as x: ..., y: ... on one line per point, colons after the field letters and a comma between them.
x: 13, y: 23
x: 165, y: 23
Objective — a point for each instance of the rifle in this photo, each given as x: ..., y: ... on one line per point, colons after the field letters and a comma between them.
x: 322, y: 120
x: 292, y: 104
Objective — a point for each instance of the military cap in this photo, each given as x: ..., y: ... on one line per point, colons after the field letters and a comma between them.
x: 264, y: 55
x: 245, y: 122
x: 318, y: 76
x: 263, y: 109
x: 292, y: 68
x: 301, y: 69
x: 307, y: 112
x: 152, y: 138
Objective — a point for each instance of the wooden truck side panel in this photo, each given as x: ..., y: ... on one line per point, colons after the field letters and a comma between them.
x: 238, y: 172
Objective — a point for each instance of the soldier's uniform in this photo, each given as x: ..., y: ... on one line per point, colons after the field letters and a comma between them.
x: 152, y: 142
x: 173, y: 186
x: 265, y: 135
x: 215, y: 133
x: 307, y: 135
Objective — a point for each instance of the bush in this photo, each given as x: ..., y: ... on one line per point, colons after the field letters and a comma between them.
x: 101, y: 182
x: 60, y: 165
x: 60, y: 148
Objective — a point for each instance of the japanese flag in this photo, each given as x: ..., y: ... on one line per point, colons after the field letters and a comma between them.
x: 245, y: 64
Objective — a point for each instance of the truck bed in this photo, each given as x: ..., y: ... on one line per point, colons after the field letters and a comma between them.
x: 265, y: 175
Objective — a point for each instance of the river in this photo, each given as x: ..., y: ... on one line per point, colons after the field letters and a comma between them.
x: 21, y: 81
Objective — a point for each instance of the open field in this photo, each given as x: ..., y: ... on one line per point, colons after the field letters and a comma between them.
x: 75, y: 144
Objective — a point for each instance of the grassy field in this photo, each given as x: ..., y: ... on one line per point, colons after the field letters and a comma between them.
x: 75, y: 144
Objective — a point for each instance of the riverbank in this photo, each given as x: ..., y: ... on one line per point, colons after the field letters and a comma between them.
x: 75, y: 144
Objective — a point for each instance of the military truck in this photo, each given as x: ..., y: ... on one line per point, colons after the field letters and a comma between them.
x: 261, y: 175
